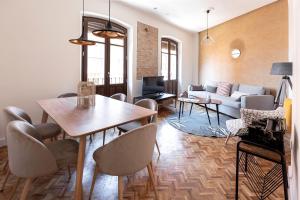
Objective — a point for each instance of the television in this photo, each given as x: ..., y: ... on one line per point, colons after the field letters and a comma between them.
x: 153, y: 85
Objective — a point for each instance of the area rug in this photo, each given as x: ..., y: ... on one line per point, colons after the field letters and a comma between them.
x: 197, y: 123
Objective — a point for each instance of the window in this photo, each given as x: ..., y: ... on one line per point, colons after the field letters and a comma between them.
x: 169, y: 59
x: 105, y: 63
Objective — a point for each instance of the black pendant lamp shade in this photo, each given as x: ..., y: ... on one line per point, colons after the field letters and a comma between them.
x: 109, y: 31
x: 82, y: 40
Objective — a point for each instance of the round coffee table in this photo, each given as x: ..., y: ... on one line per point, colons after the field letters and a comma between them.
x: 199, y: 101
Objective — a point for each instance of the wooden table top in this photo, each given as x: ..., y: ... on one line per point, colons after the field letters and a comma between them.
x: 107, y: 113
x: 199, y: 100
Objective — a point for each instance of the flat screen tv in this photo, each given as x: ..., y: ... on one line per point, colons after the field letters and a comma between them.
x: 153, y: 85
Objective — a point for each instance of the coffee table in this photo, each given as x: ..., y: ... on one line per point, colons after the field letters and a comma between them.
x: 199, y: 101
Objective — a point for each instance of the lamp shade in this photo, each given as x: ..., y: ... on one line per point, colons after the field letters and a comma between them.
x: 282, y: 68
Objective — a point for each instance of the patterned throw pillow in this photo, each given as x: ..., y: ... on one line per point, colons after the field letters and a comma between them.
x: 249, y: 115
x: 224, y: 89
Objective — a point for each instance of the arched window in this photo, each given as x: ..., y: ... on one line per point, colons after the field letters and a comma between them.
x: 106, y: 62
x: 169, y: 64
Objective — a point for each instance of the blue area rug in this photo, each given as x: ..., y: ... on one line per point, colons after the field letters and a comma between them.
x: 197, y: 123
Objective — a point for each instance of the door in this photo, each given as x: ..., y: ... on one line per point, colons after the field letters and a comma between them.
x: 105, y: 63
x: 169, y: 64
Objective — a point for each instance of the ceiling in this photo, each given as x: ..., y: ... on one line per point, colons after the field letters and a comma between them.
x: 191, y: 14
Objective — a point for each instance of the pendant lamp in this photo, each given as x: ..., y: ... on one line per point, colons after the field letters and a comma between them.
x: 207, y: 40
x: 109, y: 31
x: 82, y: 40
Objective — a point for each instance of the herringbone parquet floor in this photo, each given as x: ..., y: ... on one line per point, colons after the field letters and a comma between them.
x: 190, y: 167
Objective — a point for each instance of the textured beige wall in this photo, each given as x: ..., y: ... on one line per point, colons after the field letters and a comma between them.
x: 261, y: 36
x: 147, y: 50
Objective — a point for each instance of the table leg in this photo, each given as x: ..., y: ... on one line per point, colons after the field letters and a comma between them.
x: 207, y: 114
x: 218, y: 114
x: 182, y: 108
x: 80, y: 166
x: 179, y: 110
x: 44, y: 117
x: 175, y: 103
x: 191, y: 108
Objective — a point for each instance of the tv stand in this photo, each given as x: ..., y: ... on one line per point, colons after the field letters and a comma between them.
x: 158, y: 97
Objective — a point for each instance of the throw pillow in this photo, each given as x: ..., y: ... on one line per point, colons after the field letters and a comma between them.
x: 224, y: 89
x: 211, y: 89
x: 248, y: 115
x: 197, y: 87
x: 237, y: 95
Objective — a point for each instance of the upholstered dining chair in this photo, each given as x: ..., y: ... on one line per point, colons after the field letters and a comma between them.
x: 145, y: 103
x: 64, y: 95
x: 30, y: 158
x: 127, y: 155
x: 46, y: 130
x: 119, y: 97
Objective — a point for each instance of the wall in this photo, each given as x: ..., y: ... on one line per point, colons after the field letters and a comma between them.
x: 37, y: 61
x: 261, y: 36
x: 294, y: 28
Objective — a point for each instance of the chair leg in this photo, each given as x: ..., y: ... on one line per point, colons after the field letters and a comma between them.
x: 64, y: 134
x: 151, y: 175
x: 120, y: 187
x: 5, y: 165
x: 157, y: 147
x: 93, y: 182
x: 5, y: 180
x: 228, y: 137
x: 120, y: 132
x: 104, y: 132
x: 26, y: 189
x: 69, y: 173
x: 14, y: 189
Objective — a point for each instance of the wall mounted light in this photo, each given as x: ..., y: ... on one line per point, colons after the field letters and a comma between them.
x: 235, y: 53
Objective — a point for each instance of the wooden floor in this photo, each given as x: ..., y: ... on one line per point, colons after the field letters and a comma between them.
x: 190, y: 167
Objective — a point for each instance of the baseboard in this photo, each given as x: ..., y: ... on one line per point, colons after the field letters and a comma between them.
x: 2, y: 142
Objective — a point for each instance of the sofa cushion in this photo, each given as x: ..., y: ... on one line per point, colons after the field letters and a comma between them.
x: 202, y: 94
x: 197, y: 87
x: 227, y: 101
x: 210, y: 88
x: 224, y: 89
x: 235, y: 87
x: 237, y: 95
x: 252, y: 89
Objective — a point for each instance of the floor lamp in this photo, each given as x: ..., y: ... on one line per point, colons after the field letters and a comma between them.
x: 285, y: 69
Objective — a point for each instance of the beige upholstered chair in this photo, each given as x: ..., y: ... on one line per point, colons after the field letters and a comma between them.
x: 119, y: 97
x: 30, y: 158
x: 45, y: 115
x: 126, y: 155
x: 46, y: 130
x: 145, y: 103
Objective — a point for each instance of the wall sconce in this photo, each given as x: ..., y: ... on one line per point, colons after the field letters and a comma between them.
x: 235, y: 53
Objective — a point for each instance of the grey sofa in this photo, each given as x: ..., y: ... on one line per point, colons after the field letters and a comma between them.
x: 259, y: 99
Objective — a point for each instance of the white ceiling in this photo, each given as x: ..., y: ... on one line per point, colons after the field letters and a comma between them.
x: 191, y: 14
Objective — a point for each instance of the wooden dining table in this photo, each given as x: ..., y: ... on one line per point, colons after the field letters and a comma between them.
x: 81, y: 122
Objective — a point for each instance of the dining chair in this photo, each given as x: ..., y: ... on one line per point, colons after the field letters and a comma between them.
x: 119, y: 97
x: 127, y: 155
x: 46, y: 130
x: 30, y: 158
x: 145, y: 103
x: 64, y: 95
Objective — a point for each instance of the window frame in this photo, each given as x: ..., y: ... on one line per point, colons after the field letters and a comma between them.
x: 107, y: 43
x: 170, y: 41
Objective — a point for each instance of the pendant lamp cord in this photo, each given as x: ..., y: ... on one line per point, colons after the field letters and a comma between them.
x: 109, y: 11
x: 207, y: 24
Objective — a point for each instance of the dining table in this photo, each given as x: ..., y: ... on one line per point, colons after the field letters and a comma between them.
x: 80, y: 122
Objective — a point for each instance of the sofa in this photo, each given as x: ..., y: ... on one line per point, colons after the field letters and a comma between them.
x: 255, y: 97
